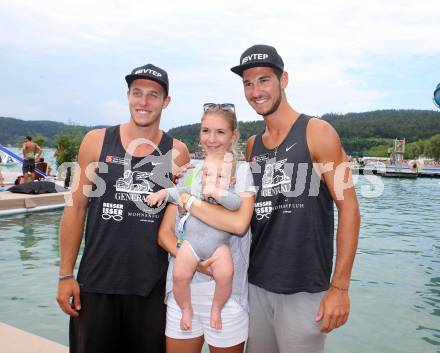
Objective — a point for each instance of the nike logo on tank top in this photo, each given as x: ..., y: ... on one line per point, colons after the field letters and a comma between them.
x: 292, y: 225
x: 121, y: 254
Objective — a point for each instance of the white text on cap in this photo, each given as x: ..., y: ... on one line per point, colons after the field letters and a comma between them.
x: 148, y: 71
x: 254, y: 57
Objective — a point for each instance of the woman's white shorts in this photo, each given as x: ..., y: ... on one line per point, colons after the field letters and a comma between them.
x: 235, y: 319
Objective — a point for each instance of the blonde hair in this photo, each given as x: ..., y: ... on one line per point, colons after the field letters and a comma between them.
x: 230, y: 118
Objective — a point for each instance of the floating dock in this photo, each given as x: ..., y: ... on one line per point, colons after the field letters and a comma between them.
x: 14, y: 340
x: 12, y: 203
x: 406, y: 172
x: 397, y: 174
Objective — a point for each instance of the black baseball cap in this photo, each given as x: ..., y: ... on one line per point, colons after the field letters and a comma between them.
x: 149, y: 72
x: 259, y: 55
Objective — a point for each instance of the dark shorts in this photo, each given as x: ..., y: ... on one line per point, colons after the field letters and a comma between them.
x: 28, y: 165
x: 113, y: 323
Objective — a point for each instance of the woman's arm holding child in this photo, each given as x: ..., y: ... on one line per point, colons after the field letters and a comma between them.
x: 215, y: 215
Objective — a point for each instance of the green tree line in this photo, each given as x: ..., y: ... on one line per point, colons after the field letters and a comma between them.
x: 44, y: 132
x: 369, y: 133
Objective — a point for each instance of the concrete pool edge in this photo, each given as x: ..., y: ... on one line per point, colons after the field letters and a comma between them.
x: 15, y: 211
x: 15, y: 340
x: 11, y: 203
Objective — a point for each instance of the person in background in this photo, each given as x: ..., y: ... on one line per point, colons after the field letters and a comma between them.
x: 2, y: 179
x: 31, y: 152
x: 44, y: 167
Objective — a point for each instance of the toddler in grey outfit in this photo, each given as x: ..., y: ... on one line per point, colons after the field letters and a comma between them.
x: 202, y: 241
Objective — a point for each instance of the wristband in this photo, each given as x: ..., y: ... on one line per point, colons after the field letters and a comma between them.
x: 339, y: 288
x: 63, y: 277
x: 183, y: 199
x: 188, y: 203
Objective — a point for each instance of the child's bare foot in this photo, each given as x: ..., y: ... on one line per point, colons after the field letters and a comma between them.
x: 186, y: 320
x: 216, y: 318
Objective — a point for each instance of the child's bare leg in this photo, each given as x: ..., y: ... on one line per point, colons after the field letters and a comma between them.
x: 222, y: 271
x: 183, y: 272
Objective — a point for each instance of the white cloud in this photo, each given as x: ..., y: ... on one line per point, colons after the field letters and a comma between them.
x: 114, y: 112
x: 322, y: 42
x: 21, y: 108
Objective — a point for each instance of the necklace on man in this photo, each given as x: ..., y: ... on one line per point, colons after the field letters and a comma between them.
x: 275, y: 152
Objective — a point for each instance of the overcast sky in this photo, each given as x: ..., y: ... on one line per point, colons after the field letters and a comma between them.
x: 66, y: 60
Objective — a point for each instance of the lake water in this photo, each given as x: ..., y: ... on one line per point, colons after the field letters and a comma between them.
x: 395, y: 289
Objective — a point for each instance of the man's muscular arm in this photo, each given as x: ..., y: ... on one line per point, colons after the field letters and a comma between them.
x: 72, y: 222
x: 180, y: 156
x: 249, y: 146
x: 325, y: 147
x: 39, y: 152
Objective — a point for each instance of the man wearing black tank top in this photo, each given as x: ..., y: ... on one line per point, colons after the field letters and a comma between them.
x: 116, y: 303
x: 300, y: 170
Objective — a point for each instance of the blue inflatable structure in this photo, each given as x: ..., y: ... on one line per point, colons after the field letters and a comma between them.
x: 436, y: 97
x: 18, y: 158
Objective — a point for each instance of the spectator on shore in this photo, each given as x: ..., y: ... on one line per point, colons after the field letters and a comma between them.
x: 31, y: 152
x: 2, y: 180
x: 44, y: 167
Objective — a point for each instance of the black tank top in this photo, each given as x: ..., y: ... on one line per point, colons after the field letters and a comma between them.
x: 121, y: 254
x: 292, y: 226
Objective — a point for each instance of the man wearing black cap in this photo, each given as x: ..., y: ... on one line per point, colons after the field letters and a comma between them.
x: 116, y: 303
x: 300, y: 171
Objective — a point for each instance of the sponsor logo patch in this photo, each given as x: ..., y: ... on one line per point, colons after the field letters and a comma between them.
x: 112, y: 210
x: 135, y: 182
x: 260, y: 158
x: 148, y: 72
x: 253, y: 57
x: 117, y: 160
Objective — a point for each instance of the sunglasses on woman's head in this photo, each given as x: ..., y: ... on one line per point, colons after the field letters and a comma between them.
x: 222, y: 106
